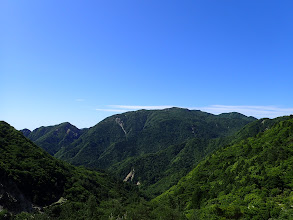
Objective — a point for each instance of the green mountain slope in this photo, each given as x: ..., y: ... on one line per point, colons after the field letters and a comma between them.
x: 53, y: 138
x: 254, y: 128
x: 136, y: 133
x: 176, y: 161
x: 31, y: 179
x: 160, y: 145
x: 251, y: 179
x: 157, y: 172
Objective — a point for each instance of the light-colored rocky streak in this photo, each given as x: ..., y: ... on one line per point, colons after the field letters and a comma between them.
x: 130, y: 175
x: 120, y: 123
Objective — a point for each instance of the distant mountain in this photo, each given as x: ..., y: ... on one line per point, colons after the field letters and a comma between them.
x: 33, y: 180
x: 235, y: 115
x: 160, y: 145
x: 26, y: 132
x: 155, y: 143
x: 146, y: 131
x: 250, y: 179
x: 53, y: 138
x: 256, y: 127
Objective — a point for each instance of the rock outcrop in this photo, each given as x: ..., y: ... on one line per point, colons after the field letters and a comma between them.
x: 129, y: 176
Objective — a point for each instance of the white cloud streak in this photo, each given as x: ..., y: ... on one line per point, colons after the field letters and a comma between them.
x: 136, y: 107
x: 256, y: 111
x: 110, y: 110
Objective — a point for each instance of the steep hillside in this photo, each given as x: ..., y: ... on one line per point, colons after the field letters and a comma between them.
x: 53, y: 138
x: 31, y: 180
x: 251, y: 179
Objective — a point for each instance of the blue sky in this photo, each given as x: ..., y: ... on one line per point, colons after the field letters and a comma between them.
x: 81, y: 61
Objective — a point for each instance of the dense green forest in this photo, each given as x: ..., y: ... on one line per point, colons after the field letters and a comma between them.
x: 160, y: 145
x: 53, y: 138
x: 34, y: 181
x: 244, y: 174
x: 146, y: 131
x: 251, y: 179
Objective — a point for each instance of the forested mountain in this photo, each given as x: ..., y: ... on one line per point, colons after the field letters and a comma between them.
x: 32, y: 180
x: 163, y: 169
x: 245, y: 174
x: 250, y: 179
x: 146, y: 131
x: 53, y: 138
x: 160, y: 145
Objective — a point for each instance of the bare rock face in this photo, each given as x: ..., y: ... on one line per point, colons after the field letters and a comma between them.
x: 130, y: 176
x: 11, y: 198
x: 121, y: 124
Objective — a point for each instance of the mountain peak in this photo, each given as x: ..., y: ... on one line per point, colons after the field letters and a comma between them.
x: 26, y: 132
x: 53, y: 138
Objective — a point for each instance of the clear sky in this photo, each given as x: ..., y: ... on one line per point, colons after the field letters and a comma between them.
x: 81, y: 61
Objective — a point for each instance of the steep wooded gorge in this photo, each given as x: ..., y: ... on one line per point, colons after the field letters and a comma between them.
x: 182, y: 164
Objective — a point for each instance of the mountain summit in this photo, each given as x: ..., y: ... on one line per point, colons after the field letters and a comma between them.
x: 53, y: 138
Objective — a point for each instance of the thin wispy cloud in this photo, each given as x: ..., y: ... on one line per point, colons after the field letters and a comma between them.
x: 256, y: 111
x: 111, y: 110
x: 125, y: 108
x: 136, y: 107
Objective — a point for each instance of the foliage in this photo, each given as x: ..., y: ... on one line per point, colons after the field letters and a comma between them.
x: 251, y: 179
x: 161, y: 145
x: 64, y: 191
x: 53, y: 138
x: 147, y: 131
x: 245, y: 176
